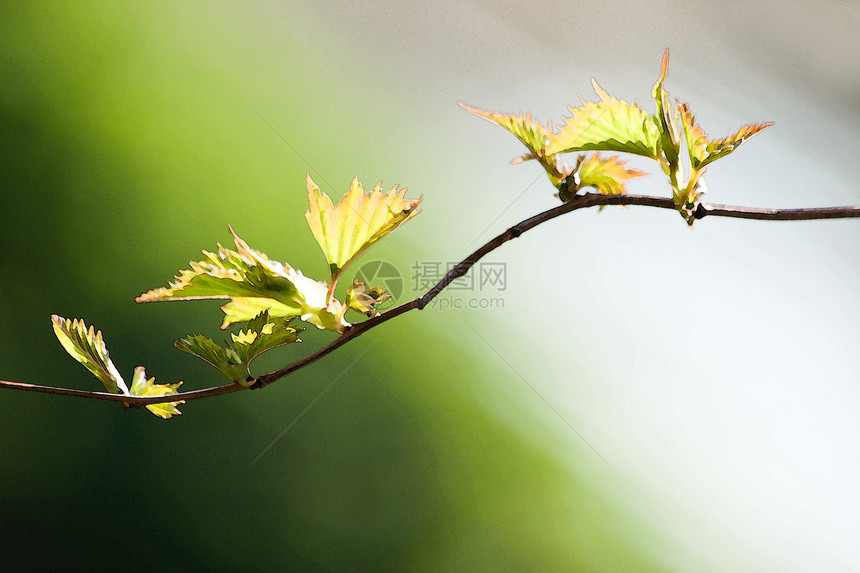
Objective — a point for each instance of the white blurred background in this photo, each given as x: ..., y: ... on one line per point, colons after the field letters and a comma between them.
x: 714, y: 369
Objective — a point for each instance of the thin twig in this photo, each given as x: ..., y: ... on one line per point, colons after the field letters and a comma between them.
x: 580, y: 202
x: 131, y: 401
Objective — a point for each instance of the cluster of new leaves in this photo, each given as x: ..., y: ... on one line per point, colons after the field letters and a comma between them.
x: 265, y: 294
x: 253, y: 283
x: 615, y: 125
x: 87, y: 347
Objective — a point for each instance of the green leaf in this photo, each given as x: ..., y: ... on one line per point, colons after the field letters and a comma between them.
x: 697, y: 140
x: 344, y: 231
x: 607, y: 175
x: 363, y: 299
x: 703, y: 151
x: 669, y: 137
x: 224, y: 359
x: 721, y: 147
x: 263, y: 334
x: 611, y: 125
x: 141, y: 386
x: 253, y: 283
x: 243, y: 309
x: 531, y: 133
x: 228, y: 273
x: 235, y: 357
x: 88, y: 348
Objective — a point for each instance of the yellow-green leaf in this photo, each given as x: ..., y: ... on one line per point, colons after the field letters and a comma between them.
x: 243, y: 309
x: 669, y: 137
x: 347, y: 229
x: 532, y: 134
x: 702, y: 151
x: 611, y: 125
x: 363, y: 299
x: 721, y: 147
x: 228, y: 273
x: 253, y: 283
x: 87, y: 347
x: 143, y: 386
x: 697, y: 139
x: 234, y: 358
x: 607, y: 175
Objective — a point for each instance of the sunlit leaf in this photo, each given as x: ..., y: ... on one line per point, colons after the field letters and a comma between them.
x: 669, y: 137
x: 721, y: 147
x: 702, y: 151
x: 697, y: 139
x: 87, y: 347
x: 244, y: 272
x: 611, y: 125
x: 531, y: 133
x: 234, y: 358
x: 254, y: 283
x: 243, y: 309
x: 347, y: 229
x: 141, y: 386
x: 262, y: 334
x: 607, y: 175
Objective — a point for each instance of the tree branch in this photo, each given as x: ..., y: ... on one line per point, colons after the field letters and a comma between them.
x: 130, y: 401
x: 579, y: 202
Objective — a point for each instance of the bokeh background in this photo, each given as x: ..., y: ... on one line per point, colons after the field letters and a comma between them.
x: 646, y: 398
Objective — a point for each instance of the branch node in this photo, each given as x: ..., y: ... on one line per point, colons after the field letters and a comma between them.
x: 701, y: 211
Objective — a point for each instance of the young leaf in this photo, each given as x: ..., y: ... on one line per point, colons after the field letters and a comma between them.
x: 224, y: 359
x: 252, y: 280
x: 263, y: 334
x: 721, y: 147
x: 607, y: 175
x: 88, y: 348
x: 611, y: 125
x: 697, y: 140
x: 347, y: 229
x: 243, y: 309
x: 531, y: 133
x: 141, y: 386
x: 234, y: 359
x: 363, y: 299
x: 670, y: 139
x: 227, y: 273
x: 702, y: 151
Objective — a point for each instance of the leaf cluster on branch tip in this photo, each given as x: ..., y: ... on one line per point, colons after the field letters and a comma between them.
x: 615, y: 125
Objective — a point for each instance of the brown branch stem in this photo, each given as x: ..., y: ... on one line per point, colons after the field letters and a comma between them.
x: 579, y: 202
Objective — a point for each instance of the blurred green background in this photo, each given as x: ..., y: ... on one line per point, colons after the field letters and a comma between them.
x: 647, y: 398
